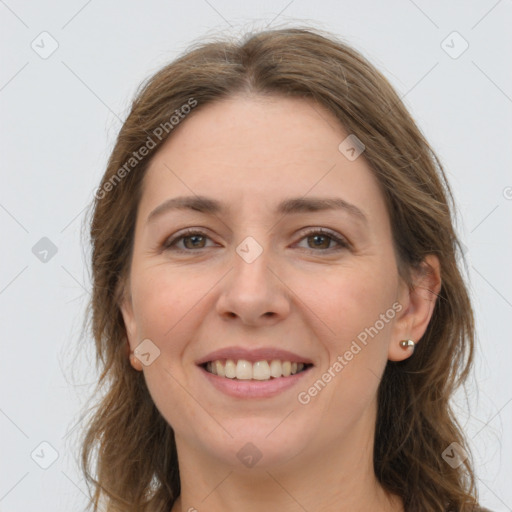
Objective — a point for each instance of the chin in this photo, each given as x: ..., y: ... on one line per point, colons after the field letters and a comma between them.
x: 254, y: 445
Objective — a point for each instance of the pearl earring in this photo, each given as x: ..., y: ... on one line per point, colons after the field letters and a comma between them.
x: 135, y: 362
x: 406, y: 344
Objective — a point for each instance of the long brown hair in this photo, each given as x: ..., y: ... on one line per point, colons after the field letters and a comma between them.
x: 128, y: 451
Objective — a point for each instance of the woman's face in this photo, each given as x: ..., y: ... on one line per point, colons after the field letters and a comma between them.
x: 257, y: 282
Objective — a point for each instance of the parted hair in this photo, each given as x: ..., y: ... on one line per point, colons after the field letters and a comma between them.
x: 128, y: 451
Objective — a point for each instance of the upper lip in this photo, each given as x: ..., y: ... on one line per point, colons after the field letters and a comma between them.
x: 253, y: 355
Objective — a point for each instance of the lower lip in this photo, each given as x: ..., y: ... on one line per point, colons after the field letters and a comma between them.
x: 253, y: 388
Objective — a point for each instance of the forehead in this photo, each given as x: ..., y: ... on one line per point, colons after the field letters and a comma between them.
x: 251, y: 152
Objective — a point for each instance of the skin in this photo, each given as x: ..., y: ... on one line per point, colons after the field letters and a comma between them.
x: 252, y: 152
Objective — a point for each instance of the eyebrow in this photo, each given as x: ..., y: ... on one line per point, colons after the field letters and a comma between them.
x: 287, y: 207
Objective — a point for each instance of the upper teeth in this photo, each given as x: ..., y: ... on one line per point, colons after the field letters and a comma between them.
x: 260, y: 370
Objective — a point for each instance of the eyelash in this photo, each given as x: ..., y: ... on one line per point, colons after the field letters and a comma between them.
x: 171, y: 242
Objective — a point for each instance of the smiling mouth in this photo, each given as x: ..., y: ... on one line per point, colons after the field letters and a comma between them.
x: 263, y: 370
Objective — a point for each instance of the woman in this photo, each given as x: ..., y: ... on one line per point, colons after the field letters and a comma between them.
x: 278, y: 312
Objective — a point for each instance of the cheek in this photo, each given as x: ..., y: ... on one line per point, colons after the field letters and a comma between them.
x: 357, y: 307
x: 166, y: 304
x: 350, y: 300
x: 164, y: 301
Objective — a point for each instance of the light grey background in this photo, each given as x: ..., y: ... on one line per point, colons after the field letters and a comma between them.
x: 59, y: 119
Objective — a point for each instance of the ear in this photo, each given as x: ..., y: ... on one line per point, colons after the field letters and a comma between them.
x: 418, y: 304
x: 126, y: 307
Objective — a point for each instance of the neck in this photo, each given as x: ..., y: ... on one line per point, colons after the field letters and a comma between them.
x: 340, y: 479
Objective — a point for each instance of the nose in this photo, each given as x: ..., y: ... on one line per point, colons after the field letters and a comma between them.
x: 253, y: 291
